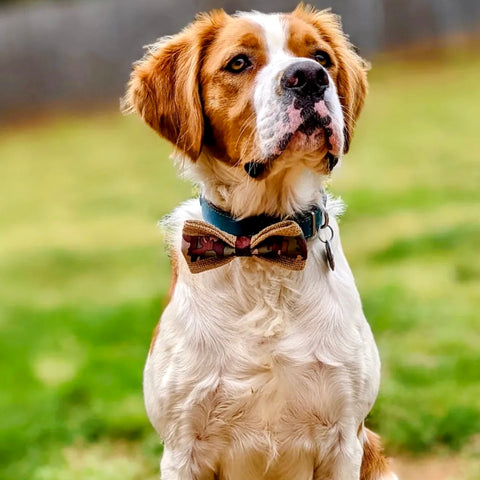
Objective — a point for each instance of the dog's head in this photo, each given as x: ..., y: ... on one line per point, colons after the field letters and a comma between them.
x: 254, y: 91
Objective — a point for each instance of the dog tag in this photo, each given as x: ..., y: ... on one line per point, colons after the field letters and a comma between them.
x: 328, y: 249
x: 329, y: 256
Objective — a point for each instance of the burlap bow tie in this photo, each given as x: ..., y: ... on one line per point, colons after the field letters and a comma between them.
x: 205, y: 246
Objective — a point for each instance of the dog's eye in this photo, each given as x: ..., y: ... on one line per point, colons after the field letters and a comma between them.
x: 238, y: 64
x: 323, y: 58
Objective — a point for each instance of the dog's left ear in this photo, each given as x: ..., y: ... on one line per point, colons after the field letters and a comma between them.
x: 352, y: 87
x: 351, y: 77
x: 164, y: 86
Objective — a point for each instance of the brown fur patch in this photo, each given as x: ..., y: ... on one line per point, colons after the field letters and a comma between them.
x: 231, y: 128
x: 164, y: 85
x: 374, y: 465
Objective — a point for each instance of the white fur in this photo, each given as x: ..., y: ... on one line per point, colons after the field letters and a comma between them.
x: 231, y: 189
x: 274, y: 28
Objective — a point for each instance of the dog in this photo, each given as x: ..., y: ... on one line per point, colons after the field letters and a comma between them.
x: 263, y: 365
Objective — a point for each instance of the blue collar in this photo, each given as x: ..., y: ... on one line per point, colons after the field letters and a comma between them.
x: 309, y: 221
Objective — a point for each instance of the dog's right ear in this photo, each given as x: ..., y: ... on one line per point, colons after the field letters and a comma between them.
x: 164, y: 85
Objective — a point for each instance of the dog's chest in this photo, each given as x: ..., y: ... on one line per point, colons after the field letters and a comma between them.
x: 254, y: 350
x: 259, y: 391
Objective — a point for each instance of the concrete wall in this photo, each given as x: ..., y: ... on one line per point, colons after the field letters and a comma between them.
x: 57, y: 54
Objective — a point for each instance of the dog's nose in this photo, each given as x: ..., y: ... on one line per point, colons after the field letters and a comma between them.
x: 305, y: 79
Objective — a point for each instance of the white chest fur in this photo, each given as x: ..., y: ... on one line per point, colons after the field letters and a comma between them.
x: 251, y: 359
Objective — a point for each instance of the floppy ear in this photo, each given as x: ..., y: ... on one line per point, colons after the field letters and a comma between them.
x: 352, y: 88
x: 164, y: 85
x: 351, y: 79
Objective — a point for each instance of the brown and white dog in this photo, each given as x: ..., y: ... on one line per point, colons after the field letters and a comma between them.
x: 257, y: 371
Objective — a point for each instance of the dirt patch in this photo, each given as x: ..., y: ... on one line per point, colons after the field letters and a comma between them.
x: 450, y: 468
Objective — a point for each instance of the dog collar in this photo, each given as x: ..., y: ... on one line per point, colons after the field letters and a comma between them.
x: 309, y: 221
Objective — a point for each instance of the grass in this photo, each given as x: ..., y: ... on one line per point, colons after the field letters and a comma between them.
x: 83, y: 275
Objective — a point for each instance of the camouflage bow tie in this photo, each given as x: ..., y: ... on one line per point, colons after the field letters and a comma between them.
x: 205, y: 246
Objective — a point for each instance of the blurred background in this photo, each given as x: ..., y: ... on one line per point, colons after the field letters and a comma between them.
x: 83, y: 273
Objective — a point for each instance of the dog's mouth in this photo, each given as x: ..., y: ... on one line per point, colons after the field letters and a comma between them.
x: 309, y: 128
x: 305, y: 128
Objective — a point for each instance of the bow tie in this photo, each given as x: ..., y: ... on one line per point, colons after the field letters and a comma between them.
x: 205, y: 246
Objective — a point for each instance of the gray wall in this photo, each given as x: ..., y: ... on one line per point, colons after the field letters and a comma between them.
x: 63, y: 54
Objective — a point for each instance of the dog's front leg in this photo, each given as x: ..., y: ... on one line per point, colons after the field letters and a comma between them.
x: 183, y: 465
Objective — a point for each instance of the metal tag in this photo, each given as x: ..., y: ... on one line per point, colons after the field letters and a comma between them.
x: 329, y: 256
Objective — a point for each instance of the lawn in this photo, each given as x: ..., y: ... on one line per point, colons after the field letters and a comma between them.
x: 83, y: 275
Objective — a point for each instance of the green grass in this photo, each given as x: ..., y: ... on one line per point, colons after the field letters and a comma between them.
x: 83, y: 274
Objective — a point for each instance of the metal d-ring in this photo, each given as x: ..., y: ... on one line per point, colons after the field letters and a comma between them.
x: 331, y: 233
x: 329, y: 258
